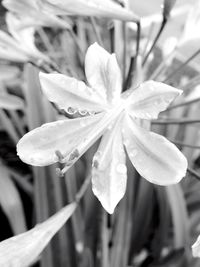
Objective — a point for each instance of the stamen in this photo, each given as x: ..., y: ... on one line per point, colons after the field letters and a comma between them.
x: 69, y: 161
x: 59, y: 172
x: 73, y: 155
x: 60, y: 156
x: 95, y: 164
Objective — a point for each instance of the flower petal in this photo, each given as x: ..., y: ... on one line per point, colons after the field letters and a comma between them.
x: 24, y: 249
x: 101, y: 8
x: 109, y: 173
x: 114, y: 78
x: 38, y: 147
x: 24, y: 36
x: 153, y: 156
x: 68, y: 92
x: 107, y: 77
x: 33, y: 14
x: 196, y: 248
x: 150, y: 98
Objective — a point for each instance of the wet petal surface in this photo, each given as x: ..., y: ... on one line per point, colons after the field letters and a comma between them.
x: 68, y: 92
x: 107, y: 76
x: 109, y: 172
x: 150, y: 98
x: 39, y: 146
x: 154, y: 157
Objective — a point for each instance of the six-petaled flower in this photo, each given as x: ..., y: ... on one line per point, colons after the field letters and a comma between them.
x: 113, y: 115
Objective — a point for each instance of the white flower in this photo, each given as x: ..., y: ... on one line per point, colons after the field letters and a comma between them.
x: 196, y: 248
x: 34, y: 13
x: 99, y: 8
x: 117, y: 117
x: 19, y: 46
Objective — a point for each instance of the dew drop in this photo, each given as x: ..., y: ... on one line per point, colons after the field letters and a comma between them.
x: 151, y: 87
x: 82, y: 112
x: 148, y: 115
x: 121, y: 168
x: 83, y: 123
x: 126, y: 142
x: 79, y: 247
x: 74, y: 154
x: 158, y: 101
x: 91, y: 113
x: 71, y: 111
x: 109, y: 127
x: 95, y: 163
x: 59, y: 172
x: 133, y: 153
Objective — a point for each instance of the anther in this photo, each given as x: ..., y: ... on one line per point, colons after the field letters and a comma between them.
x: 60, y: 156
x: 59, y: 172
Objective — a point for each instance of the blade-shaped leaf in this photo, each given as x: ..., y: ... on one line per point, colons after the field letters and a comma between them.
x: 11, y: 203
x: 11, y: 102
x: 23, y: 250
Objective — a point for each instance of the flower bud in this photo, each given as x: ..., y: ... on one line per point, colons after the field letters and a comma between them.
x: 167, y: 7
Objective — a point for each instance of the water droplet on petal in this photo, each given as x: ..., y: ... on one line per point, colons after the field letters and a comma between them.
x: 83, y: 123
x: 148, y: 115
x: 82, y: 112
x: 158, y: 101
x: 126, y: 142
x: 95, y: 164
x: 71, y: 111
x: 133, y: 153
x: 95, y: 161
x: 121, y: 168
x: 73, y: 155
x: 92, y: 113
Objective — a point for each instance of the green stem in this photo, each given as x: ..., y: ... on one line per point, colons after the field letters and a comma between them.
x: 172, y: 74
x: 186, y: 103
x: 183, y: 144
x: 96, y: 31
x: 133, y: 61
x: 164, y: 21
x: 181, y: 121
x: 194, y: 173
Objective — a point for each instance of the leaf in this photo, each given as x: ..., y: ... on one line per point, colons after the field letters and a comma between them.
x: 23, y: 250
x: 179, y: 215
x: 11, y: 102
x: 11, y: 203
x: 8, y: 73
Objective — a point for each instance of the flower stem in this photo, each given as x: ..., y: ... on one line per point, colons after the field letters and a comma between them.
x: 186, y: 103
x: 96, y: 31
x: 83, y: 189
x: 164, y: 21
x: 133, y: 60
x: 172, y: 74
x: 178, y: 143
x: 179, y: 121
x: 194, y: 173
